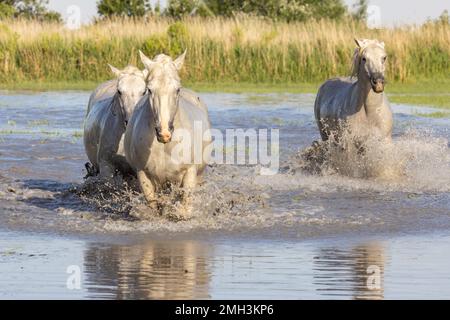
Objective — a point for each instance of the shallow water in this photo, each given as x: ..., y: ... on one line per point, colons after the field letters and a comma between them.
x: 292, y: 235
x: 39, y: 266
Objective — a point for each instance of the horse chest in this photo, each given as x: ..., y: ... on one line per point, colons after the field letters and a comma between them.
x: 162, y: 168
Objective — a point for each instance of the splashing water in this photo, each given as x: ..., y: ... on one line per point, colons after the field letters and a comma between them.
x: 404, y: 186
x: 216, y: 202
x: 415, y: 161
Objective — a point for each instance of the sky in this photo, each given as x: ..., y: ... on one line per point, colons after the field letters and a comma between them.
x: 384, y: 12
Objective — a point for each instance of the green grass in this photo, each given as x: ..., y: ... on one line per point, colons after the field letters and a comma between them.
x: 49, y: 85
x: 239, y: 55
x: 225, y: 87
x: 432, y: 100
x: 228, y: 87
x: 420, y: 87
x: 425, y: 86
x: 77, y: 134
x: 422, y: 93
x: 30, y: 132
x: 235, y: 51
x: 436, y: 115
x: 10, y: 131
x: 38, y: 123
x: 432, y: 93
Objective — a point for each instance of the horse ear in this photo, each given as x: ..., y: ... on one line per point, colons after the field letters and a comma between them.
x: 145, y: 73
x: 362, y: 43
x: 180, y: 60
x: 148, y: 63
x: 115, y: 71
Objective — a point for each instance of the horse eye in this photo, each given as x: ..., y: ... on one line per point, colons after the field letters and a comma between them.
x: 384, y: 59
x: 364, y: 59
x: 178, y: 90
x: 119, y: 92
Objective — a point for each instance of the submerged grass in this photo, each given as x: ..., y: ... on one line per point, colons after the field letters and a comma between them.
x: 21, y: 132
x: 436, y: 115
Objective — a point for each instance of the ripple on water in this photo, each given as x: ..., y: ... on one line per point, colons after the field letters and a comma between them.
x: 233, y: 199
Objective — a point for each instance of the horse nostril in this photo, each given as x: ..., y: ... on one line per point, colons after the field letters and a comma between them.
x: 166, y: 136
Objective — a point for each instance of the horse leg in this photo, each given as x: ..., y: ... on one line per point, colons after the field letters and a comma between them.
x: 123, y: 166
x: 106, y: 169
x: 189, y: 183
x: 147, y: 188
x: 91, y: 170
x: 200, y: 176
x: 104, y: 159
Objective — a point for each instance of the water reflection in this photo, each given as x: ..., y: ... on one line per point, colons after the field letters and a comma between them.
x: 148, y: 271
x: 197, y: 270
x: 356, y: 273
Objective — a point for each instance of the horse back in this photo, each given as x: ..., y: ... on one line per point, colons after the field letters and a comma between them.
x: 332, y: 96
x: 103, y: 91
x: 193, y: 98
x: 193, y: 108
x: 102, y: 129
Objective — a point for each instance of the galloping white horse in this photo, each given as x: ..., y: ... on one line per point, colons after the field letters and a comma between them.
x: 359, y: 108
x: 109, y: 109
x: 151, y: 141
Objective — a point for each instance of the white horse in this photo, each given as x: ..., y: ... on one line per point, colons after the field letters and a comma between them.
x: 109, y: 109
x: 151, y: 141
x: 359, y: 108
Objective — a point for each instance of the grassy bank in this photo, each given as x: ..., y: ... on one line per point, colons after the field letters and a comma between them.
x: 219, y: 50
x: 226, y: 87
x: 226, y: 55
x: 421, y: 93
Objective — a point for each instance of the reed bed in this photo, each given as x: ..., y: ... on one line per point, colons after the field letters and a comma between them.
x: 242, y: 49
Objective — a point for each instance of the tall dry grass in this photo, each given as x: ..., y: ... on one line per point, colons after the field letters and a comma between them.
x: 240, y: 49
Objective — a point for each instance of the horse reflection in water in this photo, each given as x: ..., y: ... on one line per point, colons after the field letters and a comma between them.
x: 358, y: 271
x: 148, y: 271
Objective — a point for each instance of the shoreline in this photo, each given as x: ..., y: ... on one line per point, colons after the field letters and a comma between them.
x: 430, y: 93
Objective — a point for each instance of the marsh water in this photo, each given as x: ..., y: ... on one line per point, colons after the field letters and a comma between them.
x: 292, y: 235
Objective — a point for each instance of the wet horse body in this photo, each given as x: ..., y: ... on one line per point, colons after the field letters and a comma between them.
x: 358, y: 109
x: 146, y: 153
x: 109, y: 109
x: 167, y: 110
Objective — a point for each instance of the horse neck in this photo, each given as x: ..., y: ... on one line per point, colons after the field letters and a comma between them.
x: 116, y: 107
x: 367, y: 99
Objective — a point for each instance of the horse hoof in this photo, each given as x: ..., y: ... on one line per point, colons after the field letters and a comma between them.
x: 91, y: 171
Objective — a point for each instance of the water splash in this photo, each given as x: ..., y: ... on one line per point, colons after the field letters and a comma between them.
x: 233, y: 199
x: 417, y: 161
x: 217, y: 203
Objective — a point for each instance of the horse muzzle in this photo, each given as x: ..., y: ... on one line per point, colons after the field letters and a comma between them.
x: 163, y: 136
x: 377, y: 83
